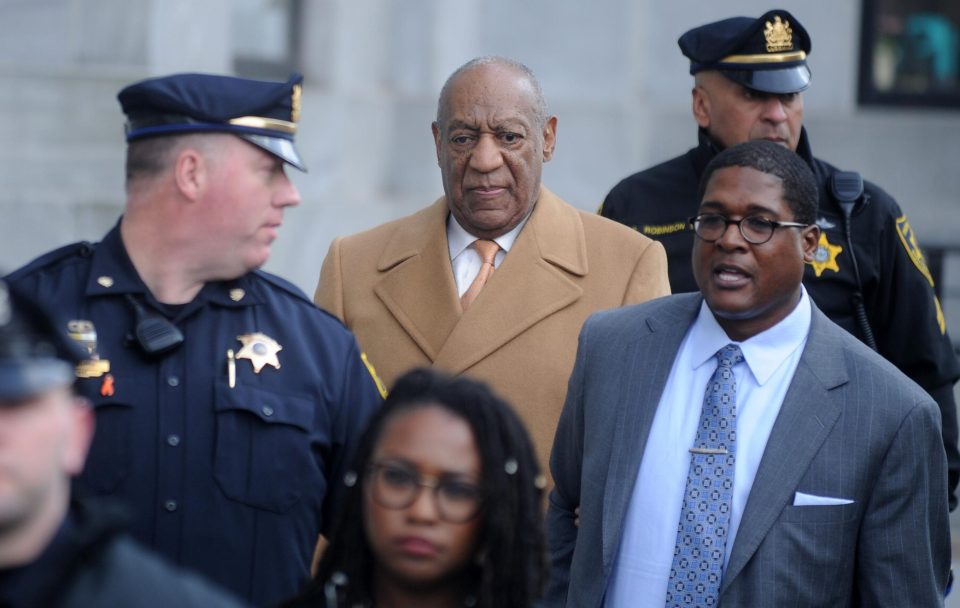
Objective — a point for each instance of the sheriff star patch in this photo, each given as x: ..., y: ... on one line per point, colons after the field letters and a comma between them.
x: 260, y: 349
x: 826, y: 256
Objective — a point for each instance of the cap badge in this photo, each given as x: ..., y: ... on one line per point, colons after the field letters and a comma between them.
x: 260, y: 350
x: 295, y: 103
x: 779, y: 35
x: 84, y: 333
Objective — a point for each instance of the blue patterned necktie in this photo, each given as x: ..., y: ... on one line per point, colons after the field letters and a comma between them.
x: 705, y: 517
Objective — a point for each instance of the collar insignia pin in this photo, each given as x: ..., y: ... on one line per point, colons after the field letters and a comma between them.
x: 260, y: 350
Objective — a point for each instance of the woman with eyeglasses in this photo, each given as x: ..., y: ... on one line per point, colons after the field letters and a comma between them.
x: 443, y: 507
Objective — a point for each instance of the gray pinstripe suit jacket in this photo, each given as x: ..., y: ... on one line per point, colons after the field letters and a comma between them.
x: 851, y: 426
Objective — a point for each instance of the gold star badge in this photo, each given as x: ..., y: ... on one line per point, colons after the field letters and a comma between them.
x: 260, y: 349
x: 826, y: 256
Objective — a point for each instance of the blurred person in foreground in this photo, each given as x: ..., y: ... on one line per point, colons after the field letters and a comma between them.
x: 444, y: 505
x: 734, y: 446
x: 225, y: 400
x: 868, y: 274
x: 54, y: 553
x: 495, y: 278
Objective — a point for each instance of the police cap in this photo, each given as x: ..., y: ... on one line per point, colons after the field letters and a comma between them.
x: 34, y: 355
x: 767, y: 54
x: 262, y: 112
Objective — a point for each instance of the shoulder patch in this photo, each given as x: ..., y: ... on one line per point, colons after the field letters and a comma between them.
x: 373, y: 374
x: 81, y: 249
x: 941, y: 320
x: 909, y: 240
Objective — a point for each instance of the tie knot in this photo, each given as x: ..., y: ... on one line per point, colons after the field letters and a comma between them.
x: 729, y: 355
x: 487, y: 250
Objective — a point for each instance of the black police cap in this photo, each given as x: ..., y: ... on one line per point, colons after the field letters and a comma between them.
x: 262, y: 112
x: 34, y: 355
x: 767, y: 54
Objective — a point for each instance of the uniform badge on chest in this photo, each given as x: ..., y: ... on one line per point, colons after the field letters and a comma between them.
x: 84, y: 333
x: 826, y: 256
x: 260, y: 349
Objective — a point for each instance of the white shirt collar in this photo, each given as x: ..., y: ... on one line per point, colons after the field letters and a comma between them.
x: 458, y: 239
x: 764, y: 352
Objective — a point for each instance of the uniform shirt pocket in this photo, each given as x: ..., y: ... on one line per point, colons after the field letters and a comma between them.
x: 108, y: 464
x: 262, y: 454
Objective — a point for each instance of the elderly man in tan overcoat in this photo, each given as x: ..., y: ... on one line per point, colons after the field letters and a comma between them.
x: 495, y: 278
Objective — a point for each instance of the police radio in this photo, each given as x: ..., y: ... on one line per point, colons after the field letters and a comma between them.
x: 155, y: 335
x: 846, y: 187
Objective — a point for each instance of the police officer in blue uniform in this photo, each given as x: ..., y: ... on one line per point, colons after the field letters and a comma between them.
x: 870, y: 276
x: 226, y: 403
x: 55, y: 552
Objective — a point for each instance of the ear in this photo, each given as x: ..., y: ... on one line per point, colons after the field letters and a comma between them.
x: 549, y: 138
x: 79, y: 436
x: 701, y: 106
x: 810, y: 240
x: 190, y: 173
x: 435, y: 127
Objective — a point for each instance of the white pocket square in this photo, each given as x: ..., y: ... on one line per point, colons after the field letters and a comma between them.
x: 810, y: 500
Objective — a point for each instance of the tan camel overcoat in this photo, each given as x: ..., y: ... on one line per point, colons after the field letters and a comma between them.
x: 393, y: 286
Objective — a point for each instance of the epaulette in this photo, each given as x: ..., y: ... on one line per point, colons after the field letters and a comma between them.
x: 293, y: 290
x: 81, y: 249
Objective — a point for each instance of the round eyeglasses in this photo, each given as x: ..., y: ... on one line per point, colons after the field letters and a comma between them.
x: 755, y: 229
x: 397, y: 487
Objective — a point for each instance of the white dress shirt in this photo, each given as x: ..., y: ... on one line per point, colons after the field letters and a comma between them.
x: 466, y: 261
x: 642, y: 568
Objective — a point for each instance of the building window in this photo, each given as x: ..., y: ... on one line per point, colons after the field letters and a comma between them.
x: 910, y: 53
x: 266, y: 38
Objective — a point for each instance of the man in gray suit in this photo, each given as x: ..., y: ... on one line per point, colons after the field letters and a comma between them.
x: 736, y: 447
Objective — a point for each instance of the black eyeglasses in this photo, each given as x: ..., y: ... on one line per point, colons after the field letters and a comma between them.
x: 397, y: 487
x: 754, y: 229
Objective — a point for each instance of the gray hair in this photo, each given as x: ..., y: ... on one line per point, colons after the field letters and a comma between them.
x: 539, y: 102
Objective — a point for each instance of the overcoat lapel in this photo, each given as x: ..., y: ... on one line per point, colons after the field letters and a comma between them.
x: 807, y: 415
x: 417, y: 286
x: 650, y: 354
x: 535, y: 280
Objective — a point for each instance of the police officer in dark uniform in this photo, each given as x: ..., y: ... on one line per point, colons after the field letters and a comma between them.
x: 226, y: 402
x: 54, y: 553
x: 870, y: 276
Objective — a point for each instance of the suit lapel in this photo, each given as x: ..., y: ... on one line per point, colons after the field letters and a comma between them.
x: 807, y: 415
x: 533, y: 282
x: 651, y: 355
x: 418, y: 286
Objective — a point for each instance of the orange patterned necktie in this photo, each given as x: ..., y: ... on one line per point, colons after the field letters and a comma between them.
x: 488, y: 252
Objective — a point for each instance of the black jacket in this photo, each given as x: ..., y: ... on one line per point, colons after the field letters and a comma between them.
x: 91, y: 563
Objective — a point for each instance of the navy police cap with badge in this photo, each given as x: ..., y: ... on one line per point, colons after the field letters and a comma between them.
x: 262, y: 112
x: 767, y: 54
x: 34, y: 355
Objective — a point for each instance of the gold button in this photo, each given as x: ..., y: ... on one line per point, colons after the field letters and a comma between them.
x: 105, y: 281
x: 237, y: 294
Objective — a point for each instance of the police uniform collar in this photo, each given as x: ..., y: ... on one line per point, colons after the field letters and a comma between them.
x: 709, y: 148
x: 113, y: 273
